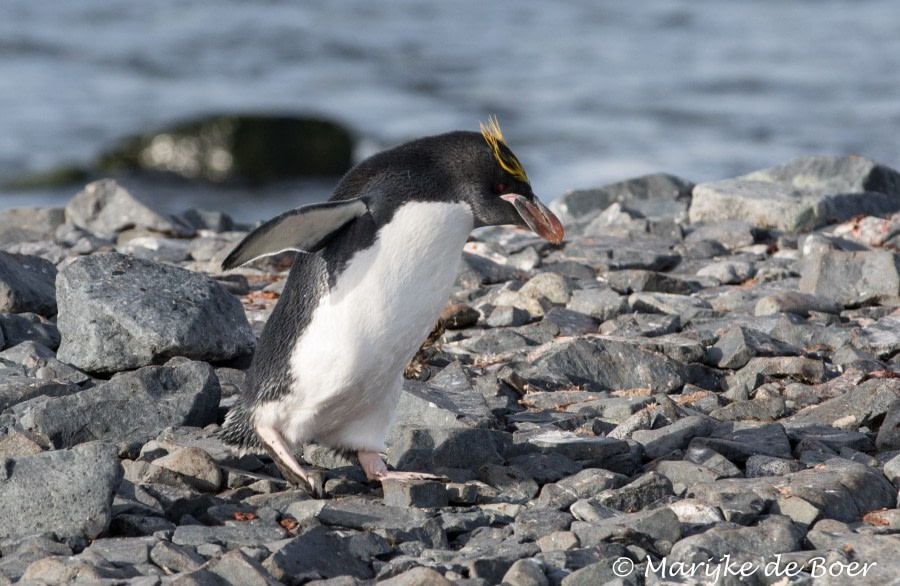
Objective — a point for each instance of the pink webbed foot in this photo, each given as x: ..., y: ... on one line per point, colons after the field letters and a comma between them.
x: 376, y: 469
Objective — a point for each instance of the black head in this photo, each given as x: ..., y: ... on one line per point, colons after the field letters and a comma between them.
x: 476, y: 168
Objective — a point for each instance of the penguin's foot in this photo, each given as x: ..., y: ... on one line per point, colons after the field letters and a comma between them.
x: 376, y: 469
x: 309, y: 480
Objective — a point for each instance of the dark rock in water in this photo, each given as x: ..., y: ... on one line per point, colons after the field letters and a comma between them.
x: 130, y: 407
x: 28, y: 327
x: 609, y: 364
x: 652, y: 195
x: 801, y: 195
x: 223, y: 148
x: 852, y: 278
x: 106, y: 208
x: 27, y: 284
x: 68, y: 492
x: 118, y: 312
x: 29, y: 224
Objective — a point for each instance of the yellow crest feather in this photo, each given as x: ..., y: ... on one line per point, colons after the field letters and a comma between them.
x: 508, y: 161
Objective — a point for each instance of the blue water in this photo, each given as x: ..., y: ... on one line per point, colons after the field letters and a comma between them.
x: 588, y: 92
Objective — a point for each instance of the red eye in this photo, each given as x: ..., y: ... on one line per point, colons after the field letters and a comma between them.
x: 499, y: 188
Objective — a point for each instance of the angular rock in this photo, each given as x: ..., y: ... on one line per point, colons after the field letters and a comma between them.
x: 601, y: 304
x: 801, y: 195
x: 423, y: 494
x: 861, y: 406
x: 852, y: 278
x: 728, y: 272
x: 609, y: 364
x: 636, y: 495
x: 235, y: 567
x: 29, y: 224
x: 68, y: 492
x: 659, y: 442
x: 881, y: 339
x: 668, y: 303
x: 738, y: 441
x: 576, y: 447
x: 889, y: 433
x: 117, y: 313
x: 795, y: 302
x: 27, y: 284
x: 131, y: 407
x: 658, y: 194
x: 717, y: 543
x: 739, y: 344
x: 17, y: 328
x: 106, y: 208
x: 195, y: 465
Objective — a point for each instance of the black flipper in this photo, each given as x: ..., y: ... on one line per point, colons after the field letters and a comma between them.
x: 303, y: 229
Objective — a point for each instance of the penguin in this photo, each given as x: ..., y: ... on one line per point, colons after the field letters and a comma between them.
x: 374, y: 268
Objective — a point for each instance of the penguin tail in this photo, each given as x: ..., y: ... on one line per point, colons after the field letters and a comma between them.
x: 238, y: 432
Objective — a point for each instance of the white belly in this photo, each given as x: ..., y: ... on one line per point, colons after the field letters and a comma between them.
x: 348, y: 365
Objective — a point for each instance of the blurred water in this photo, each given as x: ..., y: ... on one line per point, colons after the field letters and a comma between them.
x: 587, y: 91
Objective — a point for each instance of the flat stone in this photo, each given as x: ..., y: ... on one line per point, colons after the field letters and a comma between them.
x: 514, y: 484
x: 633, y: 280
x: 29, y: 224
x: 577, y: 447
x: 758, y: 466
x: 668, y: 303
x: 852, y: 278
x: 769, y: 409
x: 196, y: 466
x: 659, y: 524
x: 739, y: 441
x: 413, y: 448
x: 476, y: 270
x: 762, y: 540
x: 27, y: 284
x: 533, y: 524
x: 231, y: 536
x: 551, y: 286
x: 508, y: 316
x: 111, y: 320
x: 373, y: 515
x: 69, y: 492
x: 881, y: 339
x: 423, y: 494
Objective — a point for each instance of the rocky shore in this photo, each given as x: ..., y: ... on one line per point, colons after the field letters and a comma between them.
x: 701, y: 384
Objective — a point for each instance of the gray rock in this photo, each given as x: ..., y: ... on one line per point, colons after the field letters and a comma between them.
x: 759, y: 466
x: 683, y: 474
x: 81, y: 568
x: 508, y: 316
x: 27, y: 284
x: 423, y: 494
x: 678, y: 347
x: 476, y: 270
x: 861, y: 406
x: 417, y: 576
x: 106, y: 208
x: 668, y: 303
x: 852, y: 278
x: 527, y: 572
x: 801, y: 195
x: 768, y: 409
x: 740, y: 440
x: 717, y: 543
x: 739, y: 344
x: 235, y: 567
x: 633, y: 280
x: 571, y: 323
x: 28, y: 327
x: 729, y: 234
x: 195, y: 466
x: 658, y: 194
x: 231, y: 536
x: 15, y: 389
x: 551, y: 286
x: 131, y: 407
x: 840, y: 489
x: 881, y: 339
x: 617, y: 254
x: 40, y: 362
x: 532, y: 524
x: 659, y: 442
x: 889, y: 433
x: 874, y: 555
x: 609, y: 364
x: 728, y: 272
x: 69, y: 492
x: 122, y: 552
x: 636, y: 495
x: 601, y: 304
x: 659, y: 524
x: 393, y: 523
x: 712, y: 460
x: 574, y: 446
x: 117, y: 312
x: 29, y: 224
x: 412, y: 448
x: 795, y: 302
